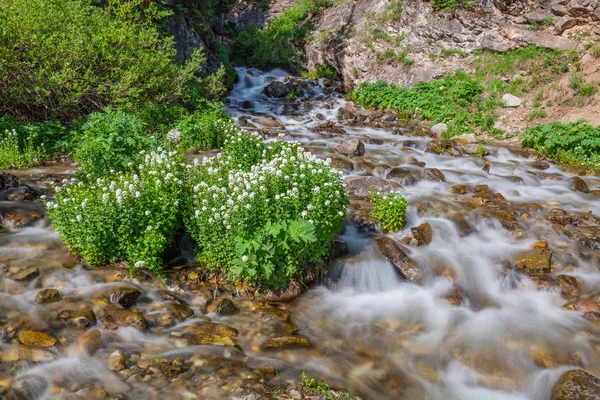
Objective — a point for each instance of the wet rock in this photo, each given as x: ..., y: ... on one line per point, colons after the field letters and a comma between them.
x: 15, y: 218
x: 341, y: 163
x: 23, y: 193
x: 463, y: 227
x: 330, y: 127
x: 36, y: 339
x: 560, y: 217
x: 276, y: 90
x: 569, y: 285
x: 31, y: 385
x: 47, y: 296
x: 576, y: 385
x: 27, y: 274
x: 398, y: 258
x: 26, y: 353
x: 460, y: 189
x: 89, y: 343
x: 579, y: 185
x: 116, y: 361
x: 286, y: 342
x: 338, y: 248
x: 180, y: 311
x: 174, y: 368
x: 422, y: 233
x: 540, y: 164
x: 534, y: 261
x: 455, y: 297
x: 267, y: 123
x: 505, y: 217
x: 363, y: 220
x: 11, y: 394
x: 438, y: 129
x: 351, y: 147
x: 125, y: 296
x: 114, y: 319
x: 403, y: 175
x: 434, y: 174
x: 223, y: 307
x: 8, y: 181
x: 510, y: 101
x: 83, y: 319
x: 358, y: 186
x: 215, y: 334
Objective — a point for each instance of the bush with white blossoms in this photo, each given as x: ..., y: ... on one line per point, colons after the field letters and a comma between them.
x: 255, y: 187
x: 125, y: 216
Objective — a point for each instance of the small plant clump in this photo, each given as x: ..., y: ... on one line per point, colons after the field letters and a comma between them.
x: 319, y: 387
x: 390, y: 209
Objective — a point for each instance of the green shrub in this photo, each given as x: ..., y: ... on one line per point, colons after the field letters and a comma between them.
x: 575, y: 142
x: 379, y: 34
x: 549, y: 21
x: 452, y: 99
x: 390, y: 210
x: 26, y: 145
x: 65, y: 59
x: 447, y: 5
x: 111, y: 141
x: 537, y: 113
x: 322, y: 71
x: 254, y: 194
x: 588, y: 89
x: 595, y: 51
x: 575, y: 81
x: 274, y: 46
x: 205, y: 129
x: 126, y: 216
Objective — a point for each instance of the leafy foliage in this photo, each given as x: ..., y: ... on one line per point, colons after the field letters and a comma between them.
x: 322, y: 71
x: 253, y: 183
x: 390, y: 210
x: 65, y: 59
x: 126, y: 216
x: 270, y: 254
x: 111, y: 141
x: 27, y: 145
x: 574, y: 143
x: 205, y: 129
x: 319, y: 387
x: 274, y: 46
x: 449, y: 99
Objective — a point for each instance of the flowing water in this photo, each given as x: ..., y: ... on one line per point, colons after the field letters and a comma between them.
x: 473, y: 328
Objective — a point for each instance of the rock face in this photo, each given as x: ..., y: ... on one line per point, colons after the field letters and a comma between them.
x: 358, y: 186
x: 398, y: 258
x: 351, y: 147
x: 576, y: 385
x: 497, y: 26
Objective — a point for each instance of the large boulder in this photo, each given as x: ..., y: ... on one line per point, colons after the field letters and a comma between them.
x: 276, y: 90
x: 576, y: 385
x: 438, y: 129
x: 392, y: 251
x: 510, y: 101
x: 358, y: 186
x: 351, y: 147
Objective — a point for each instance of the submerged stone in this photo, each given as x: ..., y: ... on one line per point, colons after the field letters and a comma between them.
x: 534, y: 261
x: 215, y: 334
x: 36, y: 339
x: 180, y: 311
x: 114, y: 319
x: 26, y: 274
x: 579, y: 185
x: 286, y: 342
x: 47, y: 296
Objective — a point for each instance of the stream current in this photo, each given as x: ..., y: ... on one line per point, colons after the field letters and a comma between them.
x: 474, y: 327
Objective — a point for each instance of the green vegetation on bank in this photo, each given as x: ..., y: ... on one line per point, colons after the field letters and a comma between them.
x: 572, y: 143
x: 467, y: 102
x: 66, y: 59
x: 320, y: 387
x: 278, y: 45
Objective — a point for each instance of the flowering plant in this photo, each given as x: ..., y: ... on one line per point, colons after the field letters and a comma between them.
x: 126, y: 216
x: 205, y: 129
x: 19, y: 153
x: 390, y: 210
x: 253, y: 184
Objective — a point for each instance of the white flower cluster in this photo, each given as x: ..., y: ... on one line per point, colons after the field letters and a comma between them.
x: 288, y: 183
